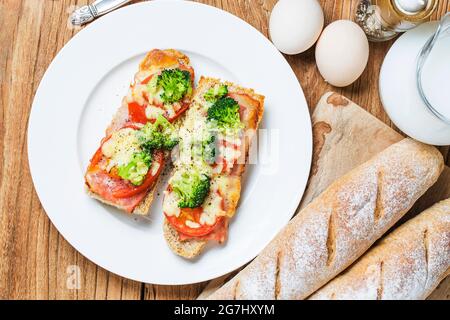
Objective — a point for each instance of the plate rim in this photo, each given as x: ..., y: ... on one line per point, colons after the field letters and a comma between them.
x: 307, y: 140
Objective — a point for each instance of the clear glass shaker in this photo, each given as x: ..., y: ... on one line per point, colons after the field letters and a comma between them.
x: 383, y: 19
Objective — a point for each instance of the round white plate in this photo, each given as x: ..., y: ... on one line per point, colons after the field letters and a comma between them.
x: 82, y: 89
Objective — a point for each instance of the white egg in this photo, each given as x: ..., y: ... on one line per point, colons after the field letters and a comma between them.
x: 295, y: 25
x: 342, y: 53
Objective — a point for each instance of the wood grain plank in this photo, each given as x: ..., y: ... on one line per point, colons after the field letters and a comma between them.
x: 7, y: 22
x: 442, y: 292
x: 35, y: 260
x: 185, y: 292
x: 14, y: 188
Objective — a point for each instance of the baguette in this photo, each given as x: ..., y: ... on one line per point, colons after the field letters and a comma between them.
x: 339, y: 225
x: 409, y: 263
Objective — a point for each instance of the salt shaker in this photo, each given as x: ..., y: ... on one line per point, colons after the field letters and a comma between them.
x: 383, y: 19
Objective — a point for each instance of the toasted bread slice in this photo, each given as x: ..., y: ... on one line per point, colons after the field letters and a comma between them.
x: 188, y: 249
x: 154, y: 60
x: 191, y: 248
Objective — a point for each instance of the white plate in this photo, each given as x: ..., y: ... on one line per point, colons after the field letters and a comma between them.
x: 83, y: 87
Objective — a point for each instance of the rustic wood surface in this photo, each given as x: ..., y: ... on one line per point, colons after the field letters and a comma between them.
x: 35, y: 260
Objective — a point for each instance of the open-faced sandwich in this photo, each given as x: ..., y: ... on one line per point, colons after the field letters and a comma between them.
x: 126, y: 167
x: 205, y: 186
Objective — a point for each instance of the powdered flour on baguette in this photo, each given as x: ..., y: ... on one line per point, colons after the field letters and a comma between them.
x: 339, y: 225
x: 409, y: 263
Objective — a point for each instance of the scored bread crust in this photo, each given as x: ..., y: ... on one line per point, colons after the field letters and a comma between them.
x: 191, y: 248
x: 339, y: 225
x: 154, y: 59
x: 409, y: 263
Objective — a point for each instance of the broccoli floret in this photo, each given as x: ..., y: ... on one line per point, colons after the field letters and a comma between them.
x: 204, y: 149
x: 175, y: 83
x: 158, y: 135
x: 191, y: 186
x: 225, y: 112
x: 201, y: 146
x: 209, y: 149
x: 215, y: 93
x: 136, y: 170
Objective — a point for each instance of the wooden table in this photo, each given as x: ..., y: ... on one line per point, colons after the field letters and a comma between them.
x: 35, y: 260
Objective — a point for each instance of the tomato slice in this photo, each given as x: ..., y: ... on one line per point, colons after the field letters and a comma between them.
x: 147, y: 80
x: 183, y: 108
x: 128, y: 190
x: 137, y: 113
x: 98, y: 155
x: 179, y: 223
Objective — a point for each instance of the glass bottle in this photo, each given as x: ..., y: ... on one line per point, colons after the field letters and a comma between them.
x: 383, y: 19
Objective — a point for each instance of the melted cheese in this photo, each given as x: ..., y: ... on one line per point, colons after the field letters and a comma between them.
x: 219, y: 166
x: 211, y: 209
x: 142, y: 95
x: 227, y: 155
x: 142, y: 75
x: 230, y: 154
x: 192, y: 131
x: 176, y: 106
x: 212, y: 206
x: 120, y: 147
x: 192, y: 224
x: 155, y: 167
x: 170, y: 110
x: 230, y: 188
x: 158, y: 68
x: 152, y: 112
x: 129, y: 97
x: 224, y: 183
x: 137, y: 94
x: 231, y: 139
x: 170, y: 204
x: 155, y: 97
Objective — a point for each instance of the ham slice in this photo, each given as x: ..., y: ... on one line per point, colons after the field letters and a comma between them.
x: 248, y: 109
x: 101, y: 183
